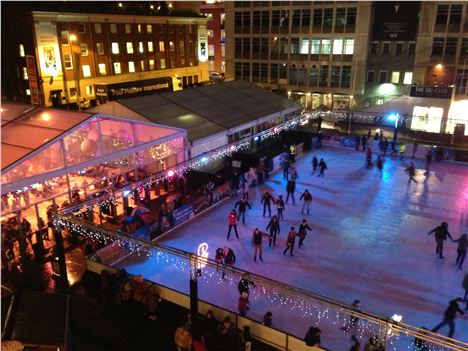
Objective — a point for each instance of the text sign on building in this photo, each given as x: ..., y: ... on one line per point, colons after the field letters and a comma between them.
x: 202, y: 44
x: 136, y: 88
x: 395, y: 20
x: 431, y: 92
x: 32, y: 77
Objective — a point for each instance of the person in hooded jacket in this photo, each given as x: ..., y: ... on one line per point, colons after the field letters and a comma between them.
x: 440, y: 233
x: 257, y: 244
x: 242, y: 204
x: 267, y: 198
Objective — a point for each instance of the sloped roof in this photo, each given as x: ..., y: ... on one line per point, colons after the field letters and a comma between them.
x: 26, y: 128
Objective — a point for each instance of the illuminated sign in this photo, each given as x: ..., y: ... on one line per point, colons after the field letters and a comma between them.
x: 32, y: 77
x: 202, y: 44
x: 202, y: 253
x: 48, y: 48
x: 431, y: 92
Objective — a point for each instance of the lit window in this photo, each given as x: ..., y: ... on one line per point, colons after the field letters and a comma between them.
x: 139, y: 28
x: 163, y: 63
x: 113, y: 28
x: 67, y: 60
x: 151, y: 65
x: 86, y: 70
x: 337, y: 46
x: 161, y: 46
x: 89, y: 90
x: 21, y: 50
x: 150, y: 46
x: 129, y: 47
x: 142, y: 65
x: 115, y: 48
x: 349, y: 46
x: 149, y: 28
x: 117, y: 68
x: 100, y: 48
x: 131, y: 66
x: 209, y: 16
x: 210, y: 33
x: 325, y: 46
x: 182, y: 48
x: 171, y: 46
x: 97, y: 28
x: 304, y: 47
x: 84, y: 49
x: 315, y: 47
x: 395, y: 77
x: 128, y: 28
x: 102, y: 69
x: 408, y: 78
x: 25, y: 73
x: 140, y: 47
x: 28, y: 92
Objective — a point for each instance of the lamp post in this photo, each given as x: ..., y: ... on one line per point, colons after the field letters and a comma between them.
x: 76, y: 75
x: 396, y: 118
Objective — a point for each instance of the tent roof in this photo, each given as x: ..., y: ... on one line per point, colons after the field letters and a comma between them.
x: 26, y: 128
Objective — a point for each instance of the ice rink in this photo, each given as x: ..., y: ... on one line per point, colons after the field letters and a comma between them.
x: 369, y: 242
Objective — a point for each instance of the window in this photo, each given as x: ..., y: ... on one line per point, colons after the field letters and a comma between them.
x: 346, y: 77
x: 294, y: 46
x: 150, y: 46
x: 210, y: 33
x: 97, y: 28
x: 464, y: 48
x: 349, y: 46
x: 327, y: 18
x: 113, y: 28
x: 100, y: 48
x: 28, y: 91
x: 21, y: 50
x: 437, y: 46
x: 131, y: 66
x: 115, y: 48
x: 315, y: 47
x: 149, y: 28
x: 337, y: 46
x: 89, y: 90
x: 304, y: 46
x: 373, y: 47
x: 335, y: 76
x: 455, y: 14
x: 325, y: 46
x: 305, y: 18
x: 386, y: 49
x: 171, y: 46
x: 162, y: 62
x: 323, y: 78
x: 102, y: 69
x: 142, y: 65
x: 442, y: 14
x: 398, y: 48
x: 411, y: 48
x: 25, y: 73
x: 395, y: 77
x: 383, y: 77
x: 86, y: 70
x: 141, y: 49
x: 370, y: 76
x: 139, y: 28
x: 84, y: 49
x: 65, y: 36
x: 318, y: 13
x: 313, y: 76
x: 181, y: 48
x: 128, y: 28
x: 351, y: 17
x: 81, y: 28
x: 161, y: 46
x: 129, y: 47
x: 451, y: 46
x: 408, y: 78
x: 117, y: 68
x: 340, y: 18
x: 151, y: 65
x: 67, y: 60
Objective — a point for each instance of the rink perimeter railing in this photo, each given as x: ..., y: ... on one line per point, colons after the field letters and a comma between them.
x: 319, y: 310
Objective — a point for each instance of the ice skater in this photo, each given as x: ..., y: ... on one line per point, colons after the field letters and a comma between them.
x: 353, y: 320
x: 379, y: 164
x: 449, y: 317
x: 257, y: 244
x: 244, y: 284
x: 428, y: 162
x: 219, y: 256
x: 280, y: 207
x: 290, y: 241
x: 229, y: 259
x: 307, y: 198
x: 368, y: 157
x: 242, y: 204
x: 411, y: 170
x: 274, y: 227
x: 285, y: 167
x: 232, y: 222
x: 245, y: 189
x: 322, y: 167
x: 303, y: 227
x: 293, y: 173
x: 267, y: 198
x: 440, y: 233
x: 243, y: 305
x: 314, y: 164
x: 461, y: 250
x: 290, y: 189
x: 465, y: 287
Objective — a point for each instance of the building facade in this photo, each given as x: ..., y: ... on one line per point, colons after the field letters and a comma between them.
x: 214, y: 11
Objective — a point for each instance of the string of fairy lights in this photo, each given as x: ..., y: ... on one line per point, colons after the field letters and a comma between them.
x: 317, y: 309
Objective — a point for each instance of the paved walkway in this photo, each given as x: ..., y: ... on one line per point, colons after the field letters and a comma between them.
x: 369, y: 242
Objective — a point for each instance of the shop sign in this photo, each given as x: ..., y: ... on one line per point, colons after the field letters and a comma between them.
x: 431, y: 92
x: 32, y: 77
x: 395, y: 20
x: 136, y: 88
x: 202, y: 44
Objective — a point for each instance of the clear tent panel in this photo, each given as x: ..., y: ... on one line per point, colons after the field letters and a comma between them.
x: 143, y: 133
x: 161, y: 152
x: 82, y: 144
x: 116, y: 135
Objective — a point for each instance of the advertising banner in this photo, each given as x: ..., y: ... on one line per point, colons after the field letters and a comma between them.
x: 202, y: 44
x: 48, y: 49
x: 395, y: 20
x: 431, y: 92
x: 131, y: 89
x: 32, y: 77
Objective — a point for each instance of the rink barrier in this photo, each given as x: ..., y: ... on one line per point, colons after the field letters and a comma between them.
x: 386, y: 325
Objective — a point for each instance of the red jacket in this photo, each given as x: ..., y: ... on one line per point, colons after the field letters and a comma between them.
x: 243, y: 301
x: 232, y: 219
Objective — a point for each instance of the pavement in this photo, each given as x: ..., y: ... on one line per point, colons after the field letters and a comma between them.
x: 369, y: 242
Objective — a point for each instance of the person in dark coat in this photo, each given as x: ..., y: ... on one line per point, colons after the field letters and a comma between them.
x: 428, y: 162
x: 449, y: 317
x: 379, y: 164
x: 242, y: 204
x: 411, y: 170
x: 322, y: 167
x: 280, y: 207
x: 364, y: 143
x: 274, y: 227
x: 229, y: 259
x: 266, y: 201
x: 465, y: 286
x: 244, y: 284
x: 312, y: 337
x: 314, y: 164
x: 461, y: 250
x: 441, y: 234
x: 307, y: 197
x: 290, y: 241
x: 285, y: 167
x: 303, y: 232
x: 290, y: 188
x: 257, y: 244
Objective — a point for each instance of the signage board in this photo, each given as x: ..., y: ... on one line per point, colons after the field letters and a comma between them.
x: 48, y: 48
x: 202, y: 44
x: 32, y: 77
x: 132, y: 89
x: 431, y: 92
x: 395, y: 20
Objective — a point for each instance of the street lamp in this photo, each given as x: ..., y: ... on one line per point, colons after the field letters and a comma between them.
x: 76, y: 75
x: 394, y: 117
